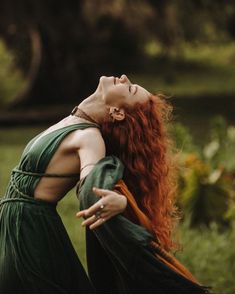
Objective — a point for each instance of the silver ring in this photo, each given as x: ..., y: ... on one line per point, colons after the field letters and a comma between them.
x: 98, y: 214
x: 102, y: 206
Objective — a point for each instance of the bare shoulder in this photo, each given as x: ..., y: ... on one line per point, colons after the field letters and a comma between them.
x: 88, y: 137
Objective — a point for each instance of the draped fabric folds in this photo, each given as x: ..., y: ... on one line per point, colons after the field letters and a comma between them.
x: 36, y: 254
x: 130, y: 262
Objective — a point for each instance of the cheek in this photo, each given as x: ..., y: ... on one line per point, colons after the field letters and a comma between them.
x: 112, y: 95
x: 142, y: 96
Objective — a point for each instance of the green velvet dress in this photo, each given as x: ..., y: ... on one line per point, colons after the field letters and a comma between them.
x: 36, y: 254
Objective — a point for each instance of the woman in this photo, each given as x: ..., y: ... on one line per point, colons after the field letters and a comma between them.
x: 133, y: 248
x: 36, y: 255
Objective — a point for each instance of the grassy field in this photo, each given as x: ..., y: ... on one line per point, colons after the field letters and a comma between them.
x: 208, y: 253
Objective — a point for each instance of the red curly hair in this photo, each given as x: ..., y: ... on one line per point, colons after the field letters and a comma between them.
x: 141, y: 142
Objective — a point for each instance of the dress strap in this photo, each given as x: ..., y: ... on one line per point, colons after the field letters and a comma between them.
x: 48, y: 175
x: 28, y: 200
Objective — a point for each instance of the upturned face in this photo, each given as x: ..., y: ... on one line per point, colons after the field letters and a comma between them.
x: 118, y: 92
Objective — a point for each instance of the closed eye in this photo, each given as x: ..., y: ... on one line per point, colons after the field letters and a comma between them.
x: 130, y: 89
x: 136, y: 89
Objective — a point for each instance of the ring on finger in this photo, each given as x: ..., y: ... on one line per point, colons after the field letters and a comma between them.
x: 98, y: 214
x: 101, y: 206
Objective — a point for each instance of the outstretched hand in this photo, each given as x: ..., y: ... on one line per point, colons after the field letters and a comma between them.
x: 110, y: 204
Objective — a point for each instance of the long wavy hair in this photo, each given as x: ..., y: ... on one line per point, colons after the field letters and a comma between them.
x: 142, y: 143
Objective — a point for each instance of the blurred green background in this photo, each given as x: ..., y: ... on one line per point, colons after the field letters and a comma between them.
x: 51, y: 57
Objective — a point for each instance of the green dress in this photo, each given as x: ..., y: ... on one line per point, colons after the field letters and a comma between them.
x: 123, y: 249
x: 36, y: 254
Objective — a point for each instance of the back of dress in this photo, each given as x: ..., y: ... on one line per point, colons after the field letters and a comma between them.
x: 36, y: 254
x: 35, y: 159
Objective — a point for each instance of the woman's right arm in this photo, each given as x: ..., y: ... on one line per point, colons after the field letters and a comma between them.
x: 91, y: 150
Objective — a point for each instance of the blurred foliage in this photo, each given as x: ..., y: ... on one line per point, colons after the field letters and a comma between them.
x: 63, y: 47
x: 219, y: 151
x: 207, y: 175
x: 11, y: 79
x: 200, y: 69
x: 209, y: 254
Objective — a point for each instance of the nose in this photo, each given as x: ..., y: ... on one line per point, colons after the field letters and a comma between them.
x: 124, y: 79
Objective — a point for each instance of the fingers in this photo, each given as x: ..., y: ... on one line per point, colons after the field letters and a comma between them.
x: 93, y: 222
x: 110, y: 205
x: 96, y: 220
x: 89, y: 221
x: 81, y: 213
x: 97, y: 206
x: 101, y: 192
x: 91, y: 210
x: 99, y: 222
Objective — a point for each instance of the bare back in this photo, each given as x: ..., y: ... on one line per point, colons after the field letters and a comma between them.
x: 80, y: 148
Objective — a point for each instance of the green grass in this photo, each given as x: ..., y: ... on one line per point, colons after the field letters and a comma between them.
x: 208, y: 253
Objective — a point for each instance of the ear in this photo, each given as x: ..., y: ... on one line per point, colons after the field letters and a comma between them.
x: 117, y: 113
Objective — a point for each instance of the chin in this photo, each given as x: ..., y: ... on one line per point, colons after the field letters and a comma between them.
x: 102, y: 78
x: 106, y: 82
x: 102, y: 81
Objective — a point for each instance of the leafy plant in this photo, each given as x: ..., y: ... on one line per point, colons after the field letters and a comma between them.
x: 207, y: 175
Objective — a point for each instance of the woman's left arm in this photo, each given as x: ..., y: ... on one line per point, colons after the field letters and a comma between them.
x: 110, y: 204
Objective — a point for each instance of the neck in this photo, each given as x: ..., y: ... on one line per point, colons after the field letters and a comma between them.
x: 94, y: 107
